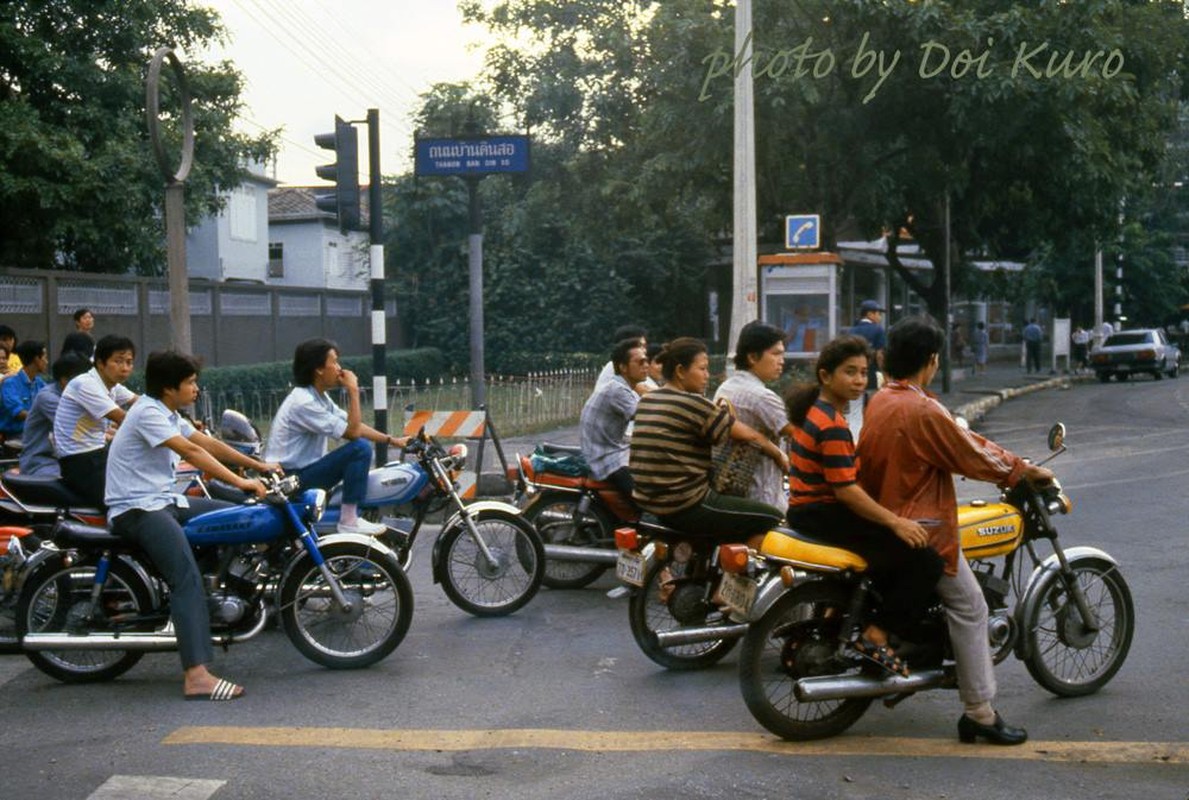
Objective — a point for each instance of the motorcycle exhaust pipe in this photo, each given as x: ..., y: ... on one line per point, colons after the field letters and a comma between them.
x: 709, y: 633
x: 828, y: 687
x: 139, y: 641
x: 564, y: 552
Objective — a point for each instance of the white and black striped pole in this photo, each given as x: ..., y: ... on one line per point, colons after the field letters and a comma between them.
x: 376, y: 252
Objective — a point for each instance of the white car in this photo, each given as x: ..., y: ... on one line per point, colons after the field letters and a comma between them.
x: 1140, y: 350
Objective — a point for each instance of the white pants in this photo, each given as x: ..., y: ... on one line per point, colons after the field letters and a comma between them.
x: 966, y: 615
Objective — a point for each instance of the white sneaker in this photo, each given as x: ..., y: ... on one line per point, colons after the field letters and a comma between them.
x: 362, y: 526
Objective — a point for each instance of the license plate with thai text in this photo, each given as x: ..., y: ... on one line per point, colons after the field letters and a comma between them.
x: 737, y: 593
x: 629, y: 567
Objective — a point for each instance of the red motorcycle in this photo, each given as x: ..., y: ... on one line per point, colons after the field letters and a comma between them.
x: 575, y: 514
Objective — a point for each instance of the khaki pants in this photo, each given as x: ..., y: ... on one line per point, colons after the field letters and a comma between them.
x: 966, y: 615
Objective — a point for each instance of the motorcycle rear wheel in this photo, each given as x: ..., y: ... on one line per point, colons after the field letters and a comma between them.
x: 553, y: 517
x: 53, y: 591
x: 649, y: 616
x: 797, y: 638
x: 480, y: 587
x: 1063, y: 656
x: 381, y: 610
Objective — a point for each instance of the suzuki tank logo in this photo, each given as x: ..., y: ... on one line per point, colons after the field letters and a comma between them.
x: 995, y: 530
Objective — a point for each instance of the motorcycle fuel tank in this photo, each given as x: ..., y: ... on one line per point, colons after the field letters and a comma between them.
x: 394, y: 484
x: 244, y: 524
x: 989, y: 529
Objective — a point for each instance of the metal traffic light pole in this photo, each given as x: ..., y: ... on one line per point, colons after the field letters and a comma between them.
x: 344, y: 204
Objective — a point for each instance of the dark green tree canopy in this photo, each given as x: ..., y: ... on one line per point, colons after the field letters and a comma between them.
x: 79, y: 187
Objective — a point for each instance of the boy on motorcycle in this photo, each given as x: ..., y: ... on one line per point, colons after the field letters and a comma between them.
x: 607, y: 414
x: 142, y: 506
x: 307, y: 420
x: 911, y: 448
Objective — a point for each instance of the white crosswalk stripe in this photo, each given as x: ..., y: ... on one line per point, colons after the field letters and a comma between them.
x: 152, y: 787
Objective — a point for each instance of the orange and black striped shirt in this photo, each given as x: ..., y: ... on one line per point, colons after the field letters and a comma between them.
x: 671, y: 445
x: 821, y: 456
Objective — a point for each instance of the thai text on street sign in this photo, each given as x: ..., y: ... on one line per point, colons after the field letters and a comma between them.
x: 482, y: 155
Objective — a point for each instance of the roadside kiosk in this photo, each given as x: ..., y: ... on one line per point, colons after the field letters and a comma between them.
x: 800, y: 295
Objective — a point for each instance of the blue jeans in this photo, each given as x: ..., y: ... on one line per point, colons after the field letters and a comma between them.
x: 348, y: 464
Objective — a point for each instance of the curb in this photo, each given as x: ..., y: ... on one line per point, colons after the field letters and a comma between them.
x: 977, y: 409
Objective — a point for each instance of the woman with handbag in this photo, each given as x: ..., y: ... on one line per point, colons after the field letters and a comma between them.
x: 741, y: 468
x: 676, y: 428
x: 827, y: 502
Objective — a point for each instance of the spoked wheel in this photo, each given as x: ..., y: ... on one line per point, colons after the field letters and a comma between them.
x: 654, y: 609
x: 57, y: 599
x: 557, y: 520
x: 374, y: 620
x: 1066, y: 657
x: 798, y: 638
x: 495, y: 587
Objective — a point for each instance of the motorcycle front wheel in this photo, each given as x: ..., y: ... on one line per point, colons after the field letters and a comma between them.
x: 651, y: 610
x: 556, y: 518
x: 375, y: 619
x: 495, y: 587
x: 57, y: 599
x: 798, y: 638
x: 1066, y: 657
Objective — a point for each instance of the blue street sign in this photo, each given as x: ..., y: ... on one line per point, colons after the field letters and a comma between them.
x: 481, y: 155
x: 802, y: 232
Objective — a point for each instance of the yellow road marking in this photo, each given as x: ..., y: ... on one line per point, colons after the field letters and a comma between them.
x: 641, y: 741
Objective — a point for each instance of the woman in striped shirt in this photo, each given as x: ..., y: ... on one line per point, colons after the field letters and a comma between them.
x: 675, y: 429
x: 826, y: 501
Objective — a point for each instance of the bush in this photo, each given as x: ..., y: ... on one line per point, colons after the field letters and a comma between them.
x: 525, y: 362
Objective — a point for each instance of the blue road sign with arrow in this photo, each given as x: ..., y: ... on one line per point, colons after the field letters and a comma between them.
x: 802, y: 232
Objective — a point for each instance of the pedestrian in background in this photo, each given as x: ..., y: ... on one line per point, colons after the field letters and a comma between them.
x: 84, y: 321
x: 1033, y: 336
x: 1081, y: 348
x: 981, y: 344
x: 957, y: 344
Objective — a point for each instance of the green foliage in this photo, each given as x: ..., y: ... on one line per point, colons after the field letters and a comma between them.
x: 79, y: 185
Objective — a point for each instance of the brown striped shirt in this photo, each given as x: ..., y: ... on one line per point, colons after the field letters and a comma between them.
x: 822, y: 456
x: 671, y: 445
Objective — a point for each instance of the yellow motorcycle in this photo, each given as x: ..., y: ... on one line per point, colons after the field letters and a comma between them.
x: 1069, y: 616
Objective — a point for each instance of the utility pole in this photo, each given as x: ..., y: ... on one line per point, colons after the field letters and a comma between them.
x: 743, y: 294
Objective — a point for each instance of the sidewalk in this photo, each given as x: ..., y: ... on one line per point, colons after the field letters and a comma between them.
x: 971, y: 396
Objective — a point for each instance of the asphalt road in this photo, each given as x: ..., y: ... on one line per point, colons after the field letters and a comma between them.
x: 556, y: 700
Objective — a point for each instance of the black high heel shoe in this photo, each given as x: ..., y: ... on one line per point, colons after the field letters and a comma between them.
x: 999, y: 733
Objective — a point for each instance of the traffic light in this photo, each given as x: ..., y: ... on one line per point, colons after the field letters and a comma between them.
x: 343, y: 202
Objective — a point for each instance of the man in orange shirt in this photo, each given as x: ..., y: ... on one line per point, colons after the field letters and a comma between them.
x: 911, y: 448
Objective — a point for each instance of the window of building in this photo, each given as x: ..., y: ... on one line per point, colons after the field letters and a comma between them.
x: 276, y: 259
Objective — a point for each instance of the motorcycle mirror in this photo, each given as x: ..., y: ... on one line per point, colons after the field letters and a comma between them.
x: 1056, y: 437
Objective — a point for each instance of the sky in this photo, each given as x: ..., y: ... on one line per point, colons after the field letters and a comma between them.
x: 304, y: 61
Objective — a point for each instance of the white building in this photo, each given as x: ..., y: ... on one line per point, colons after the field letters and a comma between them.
x: 306, y: 248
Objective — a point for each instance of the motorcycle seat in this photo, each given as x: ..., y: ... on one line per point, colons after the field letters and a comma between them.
x: 69, y: 533
x: 43, y: 490
x: 560, y: 449
x: 801, y: 549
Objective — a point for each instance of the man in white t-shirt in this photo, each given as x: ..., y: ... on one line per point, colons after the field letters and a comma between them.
x: 306, y: 422
x: 92, y: 404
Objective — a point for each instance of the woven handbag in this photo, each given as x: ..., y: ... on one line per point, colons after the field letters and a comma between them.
x: 734, y: 467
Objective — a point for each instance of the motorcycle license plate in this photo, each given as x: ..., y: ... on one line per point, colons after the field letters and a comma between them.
x: 737, y: 593
x: 629, y: 567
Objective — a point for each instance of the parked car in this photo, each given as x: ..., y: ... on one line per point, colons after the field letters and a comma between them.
x: 1140, y: 350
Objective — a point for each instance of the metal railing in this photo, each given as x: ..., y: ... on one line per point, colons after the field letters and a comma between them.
x: 517, y: 404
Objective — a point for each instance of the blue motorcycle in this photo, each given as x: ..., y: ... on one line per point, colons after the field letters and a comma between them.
x: 92, y: 604
x: 489, y: 559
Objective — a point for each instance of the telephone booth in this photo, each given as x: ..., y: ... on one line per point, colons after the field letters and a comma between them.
x: 799, y: 294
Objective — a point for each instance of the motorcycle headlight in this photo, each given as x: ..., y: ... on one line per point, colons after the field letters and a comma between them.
x: 315, y: 504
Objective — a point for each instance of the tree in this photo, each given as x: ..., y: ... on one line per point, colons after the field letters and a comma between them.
x: 1035, y: 143
x: 79, y: 186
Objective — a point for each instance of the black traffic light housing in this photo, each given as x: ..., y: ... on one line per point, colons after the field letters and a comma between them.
x: 343, y: 202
